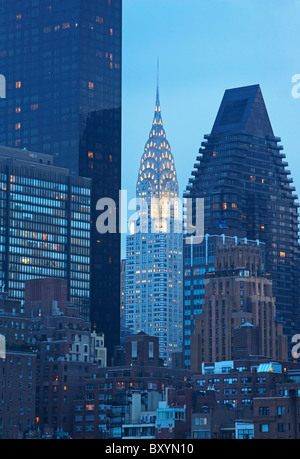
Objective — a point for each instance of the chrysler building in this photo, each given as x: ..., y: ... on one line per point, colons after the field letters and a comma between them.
x: 154, y: 247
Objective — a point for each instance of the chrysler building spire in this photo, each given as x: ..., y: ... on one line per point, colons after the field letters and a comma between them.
x: 157, y: 179
x: 157, y: 173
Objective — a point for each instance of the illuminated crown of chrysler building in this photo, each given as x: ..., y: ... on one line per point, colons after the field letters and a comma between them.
x: 157, y: 183
x: 154, y: 247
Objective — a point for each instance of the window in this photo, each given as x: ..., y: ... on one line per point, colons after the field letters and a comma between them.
x: 134, y: 349
x: 280, y: 410
x: 263, y: 428
x: 245, y: 434
x: 151, y: 350
x: 281, y: 427
x: 264, y: 411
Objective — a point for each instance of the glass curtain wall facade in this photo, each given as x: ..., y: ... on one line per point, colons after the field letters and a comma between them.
x: 62, y: 63
x: 45, y: 225
x: 247, y: 189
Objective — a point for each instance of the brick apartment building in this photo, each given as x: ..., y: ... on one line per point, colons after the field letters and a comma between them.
x: 17, y: 393
x: 278, y: 417
x: 52, y: 379
x: 150, y: 401
x: 106, y: 409
x: 48, y: 332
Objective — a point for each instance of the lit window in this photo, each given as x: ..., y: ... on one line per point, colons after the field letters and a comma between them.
x: 91, y: 85
x: 26, y: 261
x: 252, y: 178
x: 18, y: 84
x: 17, y: 126
x: 34, y: 107
x: 282, y: 254
x: 90, y: 154
x: 18, y: 109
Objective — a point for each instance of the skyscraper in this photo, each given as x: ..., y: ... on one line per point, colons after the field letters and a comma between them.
x: 241, y: 174
x: 45, y: 220
x: 62, y: 64
x: 237, y: 293
x: 199, y: 262
x: 154, y: 247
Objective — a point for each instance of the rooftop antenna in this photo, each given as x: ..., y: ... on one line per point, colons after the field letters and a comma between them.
x: 157, y: 83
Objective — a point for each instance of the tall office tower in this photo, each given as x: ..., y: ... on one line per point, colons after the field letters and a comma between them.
x: 45, y: 215
x: 199, y: 261
x: 241, y: 174
x: 62, y: 64
x: 237, y: 293
x: 154, y: 247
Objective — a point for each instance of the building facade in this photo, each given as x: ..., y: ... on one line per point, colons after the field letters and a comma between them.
x: 62, y: 63
x: 278, y: 417
x: 45, y: 225
x: 50, y: 350
x: 154, y: 247
x: 238, y: 294
x: 199, y: 261
x: 17, y: 393
x: 242, y: 176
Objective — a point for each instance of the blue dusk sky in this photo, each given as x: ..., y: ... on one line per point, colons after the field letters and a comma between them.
x: 205, y: 47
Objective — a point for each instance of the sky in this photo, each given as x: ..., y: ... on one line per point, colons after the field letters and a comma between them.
x: 205, y: 47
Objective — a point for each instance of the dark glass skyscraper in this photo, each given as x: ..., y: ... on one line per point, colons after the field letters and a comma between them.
x: 241, y: 174
x: 62, y: 64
